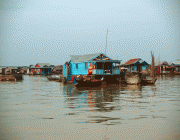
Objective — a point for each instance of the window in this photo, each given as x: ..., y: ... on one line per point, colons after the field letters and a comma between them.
x: 76, y: 66
x: 85, y: 65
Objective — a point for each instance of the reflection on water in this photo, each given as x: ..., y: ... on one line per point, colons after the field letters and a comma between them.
x: 122, y: 102
x: 37, y: 99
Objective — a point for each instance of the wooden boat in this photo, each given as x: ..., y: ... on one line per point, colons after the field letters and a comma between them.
x: 85, y: 82
x: 133, y: 78
x: 148, y: 80
x: 54, y: 77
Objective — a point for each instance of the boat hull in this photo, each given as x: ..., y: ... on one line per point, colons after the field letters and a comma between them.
x: 133, y: 78
x: 54, y: 78
x: 86, y: 83
x: 147, y: 82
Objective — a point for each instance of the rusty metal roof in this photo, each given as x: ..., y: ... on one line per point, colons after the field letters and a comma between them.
x: 132, y: 61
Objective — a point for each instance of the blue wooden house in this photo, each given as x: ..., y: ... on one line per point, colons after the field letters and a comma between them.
x: 136, y: 65
x: 91, y: 64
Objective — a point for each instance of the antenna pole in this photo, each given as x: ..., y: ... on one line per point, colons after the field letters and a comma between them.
x: 106, y: 40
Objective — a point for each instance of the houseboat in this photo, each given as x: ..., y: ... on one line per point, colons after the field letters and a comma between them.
x: 93, y: 66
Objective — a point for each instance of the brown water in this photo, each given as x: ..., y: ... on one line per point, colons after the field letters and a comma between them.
x: 36, y: 108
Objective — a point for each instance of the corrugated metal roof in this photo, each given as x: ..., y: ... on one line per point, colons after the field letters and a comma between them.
x: 132, y: 61
x: 82, y: 58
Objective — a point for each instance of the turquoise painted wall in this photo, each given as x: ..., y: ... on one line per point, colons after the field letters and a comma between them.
x: 131, y: 68
x: 80, y: 68
x: 47, y: 72
x: 135, y: 68
x: 64, y: 70
x: 144, y: 67
x: 76, y: 71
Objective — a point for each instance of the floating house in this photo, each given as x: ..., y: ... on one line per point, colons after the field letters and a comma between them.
x: 163, y: 68
x: 176, y: 65
x: 136, y: 65
x: 42, y: 69
x: 96, y: 65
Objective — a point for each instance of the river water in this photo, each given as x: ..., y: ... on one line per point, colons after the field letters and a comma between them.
x: 36, y: 108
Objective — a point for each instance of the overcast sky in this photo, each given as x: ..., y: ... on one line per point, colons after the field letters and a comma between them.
x: 40, y: 31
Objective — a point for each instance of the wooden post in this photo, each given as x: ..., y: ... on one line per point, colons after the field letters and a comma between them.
x: 103, y: 68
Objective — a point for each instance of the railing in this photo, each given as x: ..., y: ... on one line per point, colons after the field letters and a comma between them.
x: 116, y: 71
x: 104, y: 72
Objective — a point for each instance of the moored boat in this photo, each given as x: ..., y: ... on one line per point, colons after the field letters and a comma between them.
x: 133, y: 78
x: 86, y: 82
x: 54, y: 78
x: 148, y: 80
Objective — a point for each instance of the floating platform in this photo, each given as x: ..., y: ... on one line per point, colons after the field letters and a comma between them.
x: 14, y: 77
